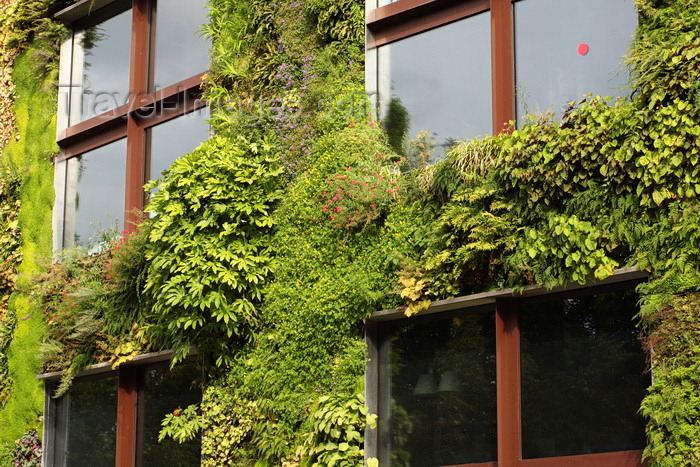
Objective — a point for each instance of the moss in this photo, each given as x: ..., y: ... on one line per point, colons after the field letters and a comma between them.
x: 29, y: 155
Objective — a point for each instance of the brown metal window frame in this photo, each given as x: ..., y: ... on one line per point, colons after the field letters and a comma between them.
x: 508, y: 389
x: 406, y: 18
x: 146, y: 107
x: 130, y: 404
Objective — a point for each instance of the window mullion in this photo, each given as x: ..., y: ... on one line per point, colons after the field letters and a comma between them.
x: 508, y: 382
x: 127, y: 407
x: 502, y: 63
x: 138, y: 86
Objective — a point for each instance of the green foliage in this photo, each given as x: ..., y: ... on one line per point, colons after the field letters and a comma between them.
x: 337, y: 432
x: 10, y: 257
x: 29, y: 156
x: 672, y: 408
x: 28, y: 450
x: 228, y: 430
x: 94, y: 307
x: 358, y: 196
x: 326, y: 281
x: 209, y: 246
x: 664, y: 57
x: 182, y: 425
x: 464, y: 252
x: 72, y: 297
x: 566, y: 248
x: 30, y: 21
x: 338, y: 20
x: 671, y: 246
x: 649, y: 152
x: 272, y: 285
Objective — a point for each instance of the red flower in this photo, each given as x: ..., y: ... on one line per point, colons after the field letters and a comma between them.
x: 176, y: 412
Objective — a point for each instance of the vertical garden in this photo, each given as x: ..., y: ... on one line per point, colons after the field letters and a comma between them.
x: 275, y: 239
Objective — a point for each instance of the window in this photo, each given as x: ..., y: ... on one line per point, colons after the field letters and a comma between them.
x: 544, y: 378
x: 129, y: 104
x: 455, y: 104
x: 565, y: 49
x: 461, y: 69
x: 112, y: 418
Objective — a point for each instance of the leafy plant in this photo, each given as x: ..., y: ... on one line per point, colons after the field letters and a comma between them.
x: 181, y: 425
x: 10, y: 257
x: 673, y: 410
x: 209, y: 249
x: 229, y: 423
x: 358, y: 196
x: 337, y: 432
x: 28, y: 450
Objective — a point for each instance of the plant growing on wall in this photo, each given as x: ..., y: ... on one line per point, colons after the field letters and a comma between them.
x: 275, y: 284
x: 209, y: 246
x: 10, y: 256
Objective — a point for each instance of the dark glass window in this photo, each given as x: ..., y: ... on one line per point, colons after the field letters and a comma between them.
x: 180, y: 50
x: 565, y: 49
x: 176, y: 138
x: 86, y: 423
x: 100, y: 76
x: 164, y: 391
x: 438, y: 390
x: 438, y: 81
x: 582, y: 374
x: 94, y: 193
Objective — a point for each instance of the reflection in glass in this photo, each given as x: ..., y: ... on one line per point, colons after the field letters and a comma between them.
x: 86, y: 424
x: 438, y: 390
x: 565, y: 49
x: 582, y: 374
x: 180, y: 49
x: 176, y: 138
x: 165, y: 390
x: 95, y: 185
x: 440, y: 82
x: 100, y: 77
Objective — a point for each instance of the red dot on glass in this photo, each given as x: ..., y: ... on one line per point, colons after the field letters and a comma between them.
x: 583, y: 49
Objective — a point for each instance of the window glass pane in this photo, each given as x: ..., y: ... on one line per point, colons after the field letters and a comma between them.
x: 583, y: 374
x: 180, y: 49
x: 165, y: 391
x: 438, y: 81
x: 565, y: 49
x: 437, y: 397
x: 100, y: 77
x: 95, y: 185
x: 176, y: 138
x: 86, y: 424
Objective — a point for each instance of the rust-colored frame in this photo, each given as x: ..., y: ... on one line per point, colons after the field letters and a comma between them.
x: 405, y: 18
x: 146, y: 108
x: 508, y: 378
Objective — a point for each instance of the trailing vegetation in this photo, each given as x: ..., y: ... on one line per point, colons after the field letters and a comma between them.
x: 208, y: 249
x: 271, y: 243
